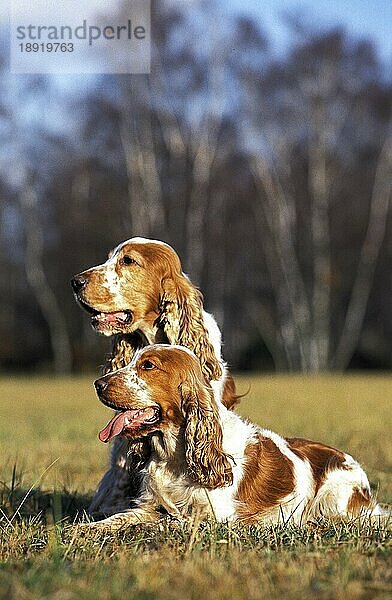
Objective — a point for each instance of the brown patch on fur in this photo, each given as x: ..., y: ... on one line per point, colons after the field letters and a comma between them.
x: 360, y: 499
x: 322, y: 458
x: 268, y: 478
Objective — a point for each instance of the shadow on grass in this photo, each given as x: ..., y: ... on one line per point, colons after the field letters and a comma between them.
x: 47, y: 506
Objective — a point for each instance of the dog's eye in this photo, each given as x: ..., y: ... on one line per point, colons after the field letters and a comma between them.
x: 127, y: 260
x: 147, y: 365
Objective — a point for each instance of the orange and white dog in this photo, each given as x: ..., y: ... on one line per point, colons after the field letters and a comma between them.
x: 141, y: 296
x: 208, y: 458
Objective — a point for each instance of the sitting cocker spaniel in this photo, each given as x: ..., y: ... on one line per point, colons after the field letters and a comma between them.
x: 141, y: 296
x: 208, y: 458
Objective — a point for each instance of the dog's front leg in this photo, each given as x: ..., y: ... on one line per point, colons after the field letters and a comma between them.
x: 121, y: 485
x: 145, y: 514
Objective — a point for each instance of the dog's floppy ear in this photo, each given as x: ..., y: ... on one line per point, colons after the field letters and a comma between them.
x: 182, y: 319
x: 207, y: 463
x: 123, y: 350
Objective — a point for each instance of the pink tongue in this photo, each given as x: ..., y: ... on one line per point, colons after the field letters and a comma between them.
x: 135, y: 417
x: 115, y: 426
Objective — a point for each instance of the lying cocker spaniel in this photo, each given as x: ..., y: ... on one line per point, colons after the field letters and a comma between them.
x: 141, y: 296
x: 208, y: 458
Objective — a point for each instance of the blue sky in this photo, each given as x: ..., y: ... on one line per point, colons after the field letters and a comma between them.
x: 371, y: 19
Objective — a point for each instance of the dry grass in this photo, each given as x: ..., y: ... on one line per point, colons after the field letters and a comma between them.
x: 56, y: 421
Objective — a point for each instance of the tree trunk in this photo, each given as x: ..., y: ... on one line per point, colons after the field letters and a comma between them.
x: 319, y: 192
x: 36, y: 277
x: 292, y: 305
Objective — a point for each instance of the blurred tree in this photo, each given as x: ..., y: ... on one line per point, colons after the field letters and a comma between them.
x: 37, y: 279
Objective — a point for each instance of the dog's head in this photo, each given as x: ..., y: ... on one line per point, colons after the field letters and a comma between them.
x: 163, y: 392
x: 142, y: 287
x: 127, y: 289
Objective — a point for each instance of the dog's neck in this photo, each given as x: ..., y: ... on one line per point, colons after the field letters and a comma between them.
x: 146, y: 335
x: 167, y: 451
x: 152, y: 334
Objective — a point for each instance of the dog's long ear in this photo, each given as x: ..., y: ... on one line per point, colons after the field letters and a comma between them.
x: 207, y: 463
x: 123, y: 350
x: 181, y: 315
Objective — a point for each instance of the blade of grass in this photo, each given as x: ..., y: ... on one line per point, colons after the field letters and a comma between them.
x: 32, y: 487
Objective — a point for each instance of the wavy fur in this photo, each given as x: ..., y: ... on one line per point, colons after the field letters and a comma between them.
x: 206, y: 461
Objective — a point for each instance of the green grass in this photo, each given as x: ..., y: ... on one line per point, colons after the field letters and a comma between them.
x: 52, y: 460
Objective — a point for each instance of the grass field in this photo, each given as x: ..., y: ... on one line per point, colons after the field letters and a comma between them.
x: 52, y: 460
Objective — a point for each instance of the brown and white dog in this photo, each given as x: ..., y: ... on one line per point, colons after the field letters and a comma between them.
x: 208, y: 458
x: 141, y: 296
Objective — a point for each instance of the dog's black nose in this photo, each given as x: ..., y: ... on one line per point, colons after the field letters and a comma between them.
x: 100, y: 386
x: 78, y: 282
